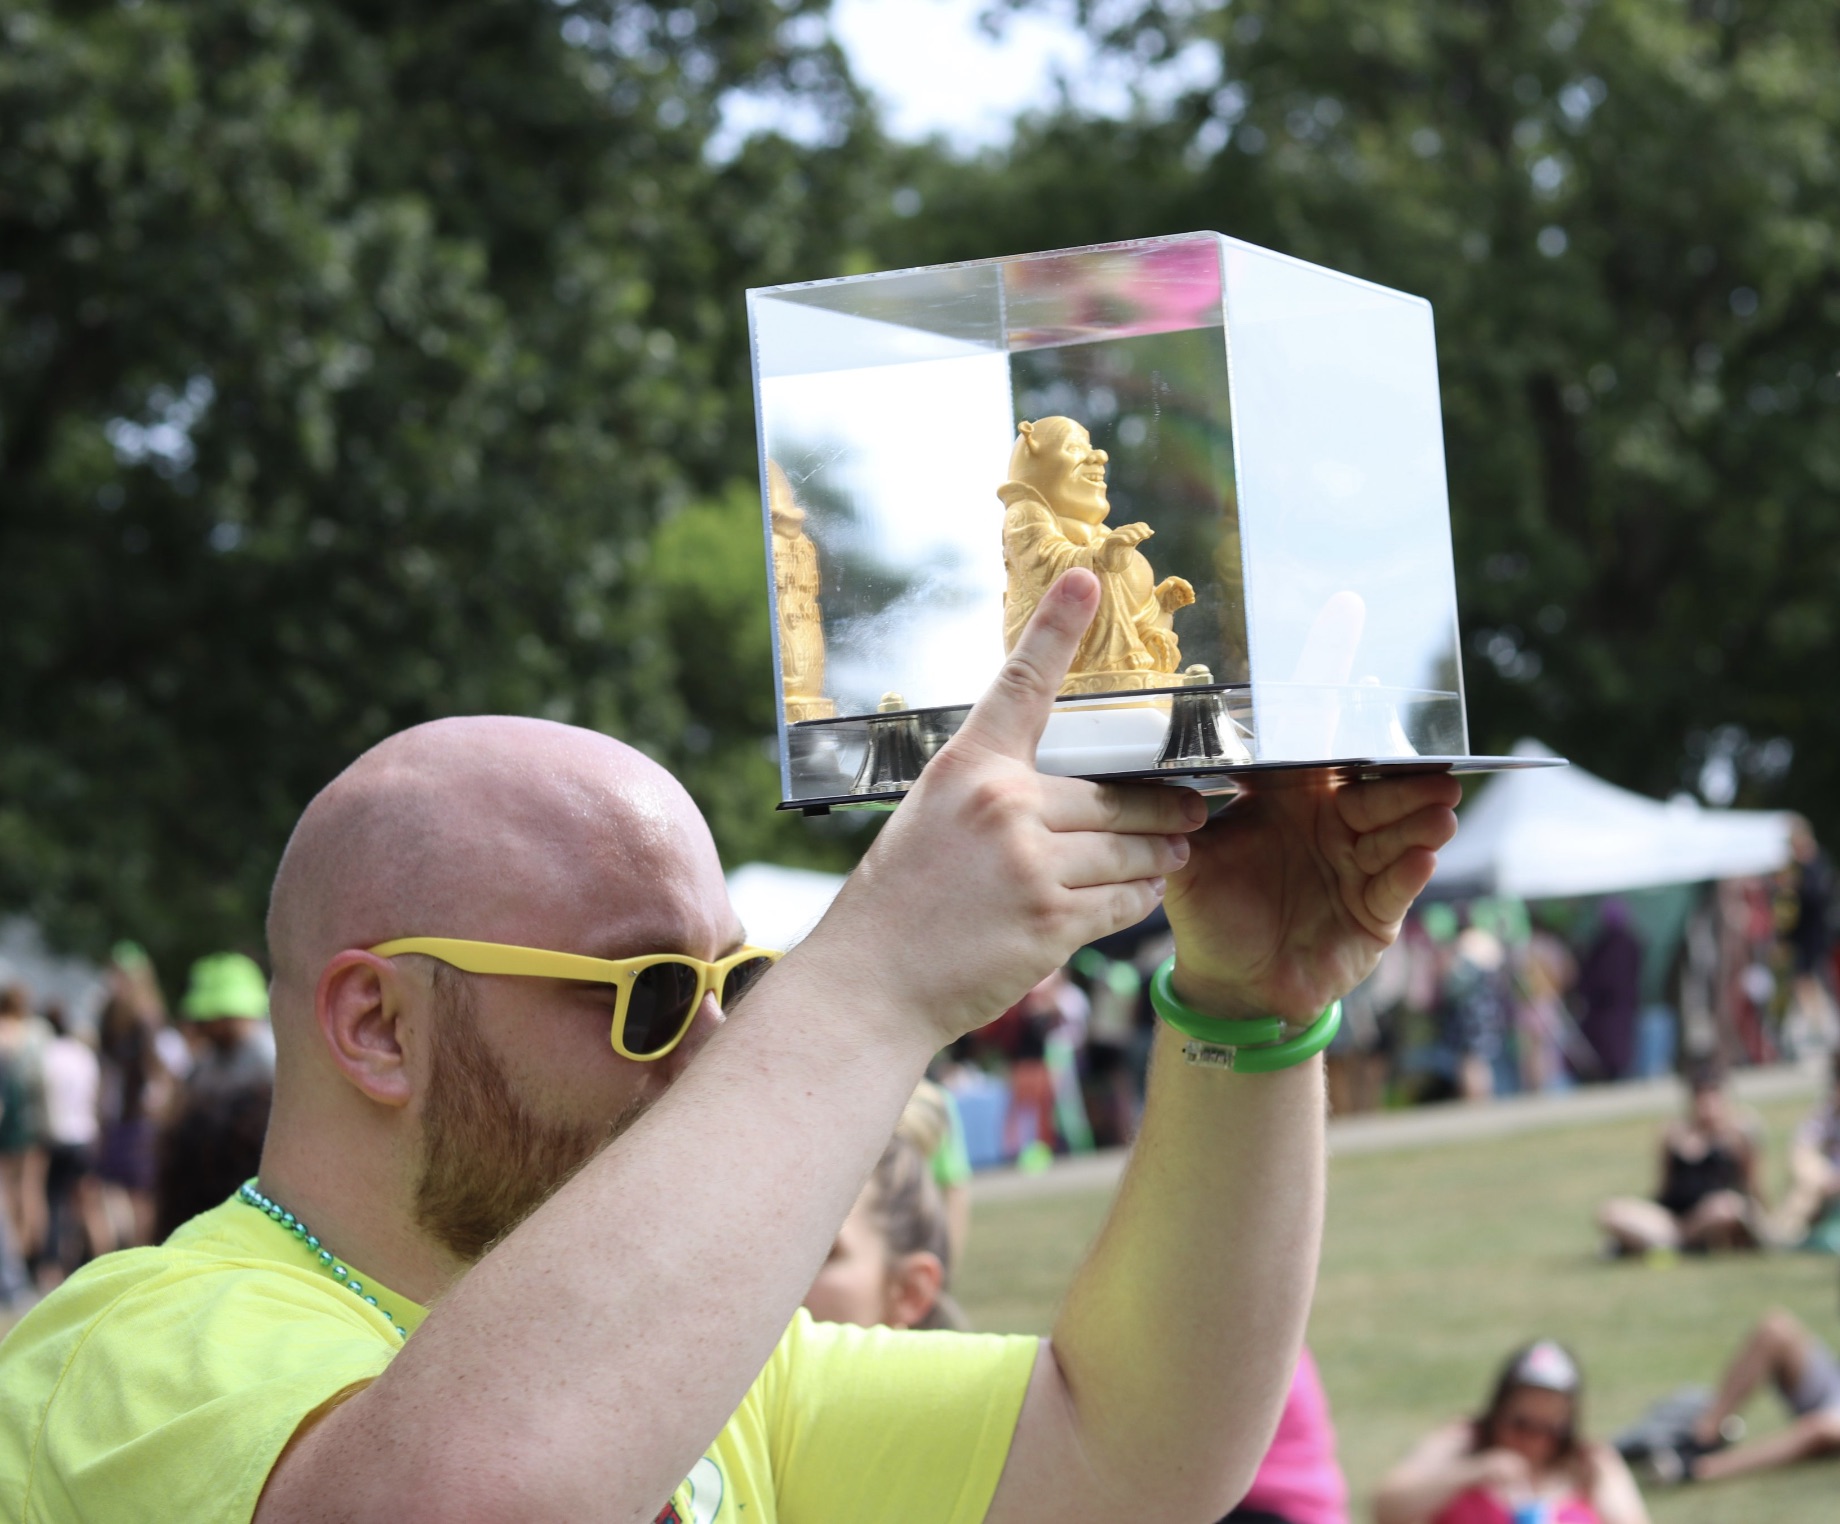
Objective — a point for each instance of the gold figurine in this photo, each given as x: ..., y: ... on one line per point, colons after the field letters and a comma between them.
x: 801, y: 624
x: 1056, y: 509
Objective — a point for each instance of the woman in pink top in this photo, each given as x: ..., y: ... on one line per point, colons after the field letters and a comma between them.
x: 1299, y: 1481
x: 1522, y: 1462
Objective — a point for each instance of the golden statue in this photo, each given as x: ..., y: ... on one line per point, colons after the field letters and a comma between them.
x: 795, y: 585
x: 1057, y: 507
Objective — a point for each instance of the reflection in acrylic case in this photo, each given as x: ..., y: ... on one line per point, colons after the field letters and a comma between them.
x: 1264, y: 433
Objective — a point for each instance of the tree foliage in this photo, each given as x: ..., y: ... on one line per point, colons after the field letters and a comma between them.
x: 351, y: 358
x: 362, y: 363
x: 1624, y: 212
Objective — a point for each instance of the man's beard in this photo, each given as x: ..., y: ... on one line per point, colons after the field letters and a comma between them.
x: 488, y: 1161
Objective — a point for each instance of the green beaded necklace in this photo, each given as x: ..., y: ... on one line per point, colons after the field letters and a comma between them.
x: 251, y: 1197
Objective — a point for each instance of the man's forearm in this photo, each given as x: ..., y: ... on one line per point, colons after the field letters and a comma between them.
x: 1178, y: 1344
x: 579, y: 1370
x: 1180, y: 1336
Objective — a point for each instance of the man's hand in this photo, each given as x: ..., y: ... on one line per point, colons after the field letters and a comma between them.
x: 991, y: 874
x: 1295, y: 889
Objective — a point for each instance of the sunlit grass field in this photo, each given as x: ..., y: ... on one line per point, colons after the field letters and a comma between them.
x: 1439, y: 1260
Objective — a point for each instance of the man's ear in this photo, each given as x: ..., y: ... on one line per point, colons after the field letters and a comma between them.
x: 359, y: 1004
x: 914, y: 1283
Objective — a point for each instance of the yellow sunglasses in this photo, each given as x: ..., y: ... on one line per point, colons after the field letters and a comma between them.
x: 656, y: 996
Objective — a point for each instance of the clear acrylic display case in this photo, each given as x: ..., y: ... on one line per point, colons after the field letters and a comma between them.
x: 1274, y: 425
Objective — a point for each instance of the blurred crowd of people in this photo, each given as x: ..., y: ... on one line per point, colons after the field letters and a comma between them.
x: 118, y: 1124
x: 1476, y: 999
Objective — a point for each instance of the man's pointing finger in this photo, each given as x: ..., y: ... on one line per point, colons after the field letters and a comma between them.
x: 1014, y: 710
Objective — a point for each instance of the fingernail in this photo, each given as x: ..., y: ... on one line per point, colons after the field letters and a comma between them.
x: 1180, y: 844
x: 1194, y: 808
x: 1157, y: 886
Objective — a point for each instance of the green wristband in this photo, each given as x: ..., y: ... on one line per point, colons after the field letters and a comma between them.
x: 1245, y: 1047
x: 1209, y: 1029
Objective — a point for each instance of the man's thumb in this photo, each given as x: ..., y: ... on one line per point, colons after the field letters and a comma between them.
x: 1014, y: 710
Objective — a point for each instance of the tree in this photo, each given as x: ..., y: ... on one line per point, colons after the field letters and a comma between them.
x: 352, y: 357
x: 1623, y: 212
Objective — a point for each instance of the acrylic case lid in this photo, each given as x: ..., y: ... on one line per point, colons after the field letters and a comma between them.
x: 1247, y: 449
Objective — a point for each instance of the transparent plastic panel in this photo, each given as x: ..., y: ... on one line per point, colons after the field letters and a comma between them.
x: 1160, y: 285
x: 1033, y: 301
x: 1350, y: 585
x: 1158, y: 405
x: 889, y: 410
x: 896, y: 468
x: 898, y: 319
x: 1246, y: 449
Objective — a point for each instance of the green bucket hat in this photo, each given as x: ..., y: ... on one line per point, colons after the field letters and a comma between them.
x: 225, y: 984
x: 129, y: 955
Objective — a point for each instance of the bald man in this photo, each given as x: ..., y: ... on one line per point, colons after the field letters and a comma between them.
x: 496, y: 1268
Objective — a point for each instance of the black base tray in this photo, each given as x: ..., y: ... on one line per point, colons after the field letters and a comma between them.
x: 1219, y: 780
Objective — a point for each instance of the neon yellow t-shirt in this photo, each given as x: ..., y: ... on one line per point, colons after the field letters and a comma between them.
x: 163, y: 1384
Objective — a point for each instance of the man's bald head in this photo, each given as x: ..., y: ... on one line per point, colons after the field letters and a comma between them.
x: 491, y: 828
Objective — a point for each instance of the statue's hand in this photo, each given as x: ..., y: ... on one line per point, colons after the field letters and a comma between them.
x: 1117, y: 546
x: 1174, y: 593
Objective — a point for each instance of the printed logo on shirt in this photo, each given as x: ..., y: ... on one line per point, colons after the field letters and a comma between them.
x: 701, y: 1493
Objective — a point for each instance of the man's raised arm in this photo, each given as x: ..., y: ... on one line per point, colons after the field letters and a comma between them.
x: 1160, y: 1388
x: 581, y: 1368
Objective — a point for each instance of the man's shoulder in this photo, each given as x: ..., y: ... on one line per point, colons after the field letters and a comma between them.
x: 151, y: 1362
x: 103, y: 1298
x: 197, y: 1292
x: 94, y: 1291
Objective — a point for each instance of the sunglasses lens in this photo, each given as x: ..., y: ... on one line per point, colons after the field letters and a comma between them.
x: 742, y: 978
x: 663, y: 1000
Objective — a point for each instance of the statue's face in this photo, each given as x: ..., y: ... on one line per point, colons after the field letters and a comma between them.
x: 788, y: 516
x: 1077, y: 472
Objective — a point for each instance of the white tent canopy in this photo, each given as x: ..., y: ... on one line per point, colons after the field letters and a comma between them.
x: 778, y: 905
x: 1548, y: 833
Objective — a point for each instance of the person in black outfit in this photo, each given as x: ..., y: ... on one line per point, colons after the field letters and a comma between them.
x: 1809, y: 942
x: 1707, y: 1194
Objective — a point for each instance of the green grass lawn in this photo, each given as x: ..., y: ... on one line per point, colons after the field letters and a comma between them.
x: 1438, y: 1261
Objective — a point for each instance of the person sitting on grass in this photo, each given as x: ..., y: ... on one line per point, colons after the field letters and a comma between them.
x: 1810, y: 1212
x: 1806, y: 1375
x: 1707, y: 1196
x: 1526, y: 1451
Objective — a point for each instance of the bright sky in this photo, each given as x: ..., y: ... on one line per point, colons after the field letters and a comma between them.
x: 936, y: 71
